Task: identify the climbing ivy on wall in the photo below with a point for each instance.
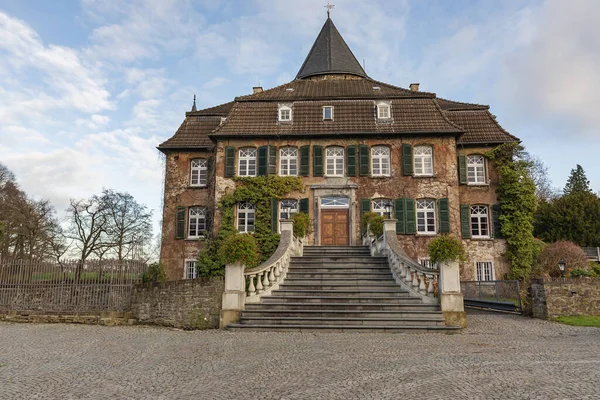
(516, 193)
(258, 191)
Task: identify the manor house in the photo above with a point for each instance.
(358, 144)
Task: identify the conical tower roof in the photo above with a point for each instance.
(330, 55)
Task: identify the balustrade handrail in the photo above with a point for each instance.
(392, 242)
(286, 239)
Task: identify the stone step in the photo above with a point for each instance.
(338, 260)
(323, 286)
(340, 268)
(343, 293)
(342, 313)
(345, 328)
(337, 281)
(292, 274)
(340, 306)
(341, 299)
(390, 321)
(308, 252)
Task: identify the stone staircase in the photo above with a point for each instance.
(341, 289)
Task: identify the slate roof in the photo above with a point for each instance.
(350, 117)
(330, 55)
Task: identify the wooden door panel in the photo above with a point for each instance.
(334, 228)
(341, 228)
(327, 228)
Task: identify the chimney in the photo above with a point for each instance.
(414, 87)
(257, 89)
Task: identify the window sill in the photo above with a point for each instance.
(197, 187)
(482, 238)
(378, 176)
(426, 233)
(424, 176)
(478, 184)
(193, 239)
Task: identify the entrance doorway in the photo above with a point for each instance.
(335, 220)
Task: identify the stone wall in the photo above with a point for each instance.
(552, 297)
(187, 304)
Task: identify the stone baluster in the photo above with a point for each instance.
(251, 288)
(266, 283)
(277, 270)
(415, 280)
(271, 275)
(422, 287)
(259, 286)
(429, 284)
(402, 271)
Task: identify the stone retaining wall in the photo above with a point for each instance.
(186, 304)
(552, 297)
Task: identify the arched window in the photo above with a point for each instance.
(199, 172)
(335, 161)
(245, 217)
(287, 208)
(197, 222)
(380, 160)
(476, 169)
(383, 207)
(423, 160)
(247, 162)
(288, 161)
(480, 222)
(426, 216)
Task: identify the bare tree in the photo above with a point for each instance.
(539, 174)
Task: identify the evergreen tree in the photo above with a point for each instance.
(577, 182)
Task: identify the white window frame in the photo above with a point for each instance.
(247, 161)
(384, 111)
(427, 215)
(481, 272)
(335, 160)
(480, 221)
(423, 160)
(284, 114)
(248, 210)
(199, 172)
(197, 221)
(476, 165)
(379, 207)
(380, 161)
(335, 202)
(288, 161)
(324, 116)
(188, 272)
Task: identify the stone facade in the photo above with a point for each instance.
(552, 297)
(187, 304)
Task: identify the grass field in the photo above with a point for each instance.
(579, 320)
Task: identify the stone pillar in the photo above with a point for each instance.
(451, 299)
(234, 297)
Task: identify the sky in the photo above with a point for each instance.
(89, 88)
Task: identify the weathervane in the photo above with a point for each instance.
(329, 7)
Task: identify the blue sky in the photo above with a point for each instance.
(89, 88)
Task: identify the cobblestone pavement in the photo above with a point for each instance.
(497, 357)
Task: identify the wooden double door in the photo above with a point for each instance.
(334, 228)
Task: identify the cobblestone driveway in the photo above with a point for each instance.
(497, 357)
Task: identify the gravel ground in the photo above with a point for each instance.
(497, 357)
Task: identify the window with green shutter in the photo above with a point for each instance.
(363, 155)
(272, 163)
(444, 215)
(410, 216)
(465, 221)
(303, 205)
(262, 160)
(180, 223)
(462, 169)
(407, 160)
(229, 162)
(496, 211)
(351, 160)
(304, 160)
(317, 160)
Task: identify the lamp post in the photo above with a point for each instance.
(388, 210)
(286, 211)
(562, 265)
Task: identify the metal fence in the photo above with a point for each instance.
(69, 286)
(494, 295)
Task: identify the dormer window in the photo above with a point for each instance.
(328, 113)
(285, 114)
(384, 111)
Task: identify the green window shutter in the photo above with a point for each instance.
(209, 169)
(465, 221)
(317, 160)
(262, 160)
(304, 160)
(351, 160)
(496, 227)
(365, 207)
(209, 220)
(410, 217)
(229, 162)
(399, 215)
(462, 169)
(274, 212)
(303, 205)
(444, 215)
(272, 170)
(363, 155)
(180, 223)
(407, 160)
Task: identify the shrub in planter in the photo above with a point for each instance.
(374, 221)
(547, 261)
(302, 226)
(155, 273)
(240, 248)
(446, 248)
